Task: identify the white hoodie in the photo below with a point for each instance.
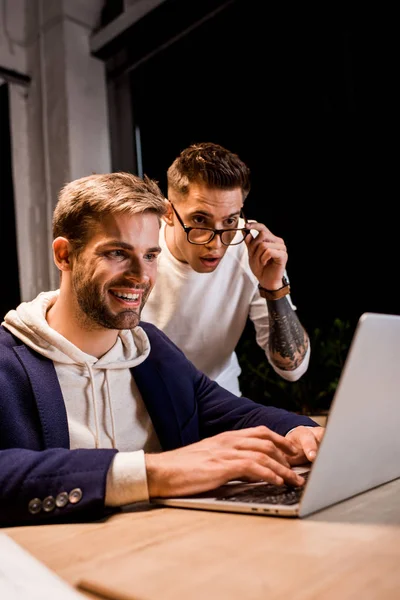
(104, 406)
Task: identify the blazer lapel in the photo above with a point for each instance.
(159, 404)
(49, 399)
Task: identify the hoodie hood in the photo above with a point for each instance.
(28, 323)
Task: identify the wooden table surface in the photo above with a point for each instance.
(351, 550)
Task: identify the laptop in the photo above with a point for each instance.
(360, 449)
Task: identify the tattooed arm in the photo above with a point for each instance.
(288, 341)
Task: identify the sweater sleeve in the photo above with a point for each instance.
(127, 479)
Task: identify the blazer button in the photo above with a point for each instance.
(35, 506)
(62, 499)
(48, 504)
(75, 495)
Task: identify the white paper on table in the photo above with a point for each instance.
(23, 576)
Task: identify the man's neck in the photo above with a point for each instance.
(62, 317)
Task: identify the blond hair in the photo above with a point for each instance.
(86, 201)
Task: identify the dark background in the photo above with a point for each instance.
(307, 98)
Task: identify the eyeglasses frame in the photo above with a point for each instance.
(219, 232)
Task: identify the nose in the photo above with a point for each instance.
(138, 271)
(215, 242)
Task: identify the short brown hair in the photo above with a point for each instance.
(86, 201)
(209, 164)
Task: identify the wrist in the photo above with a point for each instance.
(272, 286)
(275, 294)
(152, 475)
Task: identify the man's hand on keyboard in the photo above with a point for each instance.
(253, 454)
(306, 440)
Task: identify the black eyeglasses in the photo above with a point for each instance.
(204, 235)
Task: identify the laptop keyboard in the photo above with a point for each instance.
(269, 493)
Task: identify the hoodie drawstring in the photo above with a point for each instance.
(110, 410)
(96, 435)
(94, 405)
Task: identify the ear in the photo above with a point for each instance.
(169, 216)
(62, 253)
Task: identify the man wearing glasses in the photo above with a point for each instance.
(209, 281)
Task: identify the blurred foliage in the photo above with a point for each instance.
(313, 392)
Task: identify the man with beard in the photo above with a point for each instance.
(98, 411)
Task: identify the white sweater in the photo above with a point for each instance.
(205, 313)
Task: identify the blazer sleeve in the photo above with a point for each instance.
(215, 408)
(53, 485)
(219, 411)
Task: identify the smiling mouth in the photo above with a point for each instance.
(127, 297)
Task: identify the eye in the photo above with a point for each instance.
(199, 220)
(231, 222)
(117, 254)
(151, 256)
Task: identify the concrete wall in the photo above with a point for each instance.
(59, 124)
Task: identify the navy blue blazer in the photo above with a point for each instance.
(35, 460)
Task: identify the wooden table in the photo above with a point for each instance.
(351, 550)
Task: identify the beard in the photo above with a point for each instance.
(93, 303)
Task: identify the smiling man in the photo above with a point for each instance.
(217, 270)
(99, 409)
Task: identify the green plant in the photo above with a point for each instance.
(313, 392)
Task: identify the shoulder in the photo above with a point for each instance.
(16, 355)
(8, 342)
(165, 356)
(6, 338)
(158, 339)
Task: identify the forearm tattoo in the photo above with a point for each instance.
(288, 340)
